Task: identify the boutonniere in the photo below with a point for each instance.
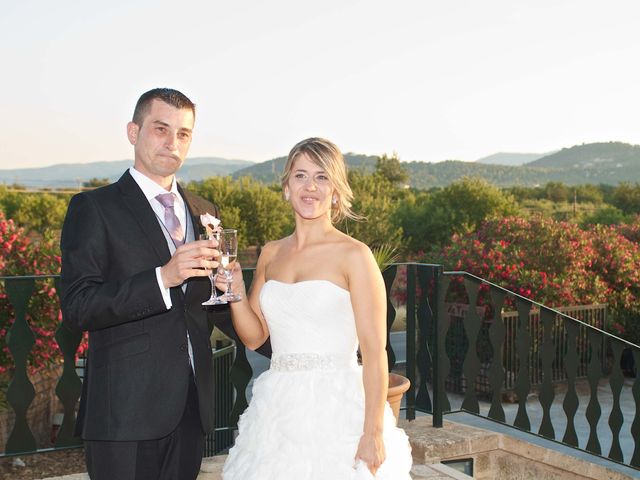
(210, 223)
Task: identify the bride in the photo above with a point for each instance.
(318, 293)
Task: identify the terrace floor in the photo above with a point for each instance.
(498, 453)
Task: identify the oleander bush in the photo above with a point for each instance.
(555, 263)
(20, 255)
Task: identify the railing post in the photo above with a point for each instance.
(438, 376)
(389, 275)
(20, 341)
(411, 341)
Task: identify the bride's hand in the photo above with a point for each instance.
(238, 281)
(371, 451)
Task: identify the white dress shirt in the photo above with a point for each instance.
(151, 190)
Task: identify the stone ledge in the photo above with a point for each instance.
(498, 456)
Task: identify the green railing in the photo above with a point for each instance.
(20, 393)
(579, 348)
(559, 348)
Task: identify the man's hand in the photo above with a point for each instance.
(192, 259)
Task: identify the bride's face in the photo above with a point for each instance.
(309, 188)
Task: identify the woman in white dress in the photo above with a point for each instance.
(318, 293)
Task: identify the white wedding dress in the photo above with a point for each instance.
(306, 416)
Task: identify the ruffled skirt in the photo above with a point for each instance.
(306, 425)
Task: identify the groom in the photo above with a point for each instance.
(134, 278)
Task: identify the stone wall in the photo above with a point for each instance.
(498, 456)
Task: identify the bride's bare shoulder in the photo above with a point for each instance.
(271, 249)
(354, 248)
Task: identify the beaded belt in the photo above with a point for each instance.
(291, 362)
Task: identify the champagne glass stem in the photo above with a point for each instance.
(212, 279)
(229, 292)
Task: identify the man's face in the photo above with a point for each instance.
(162, 141)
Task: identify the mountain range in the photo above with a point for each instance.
(503, 158)
(607, 163)
(73, 174)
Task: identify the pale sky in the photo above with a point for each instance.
(430, 80)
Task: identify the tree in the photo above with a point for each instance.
(258, 211)
(412, 215)
(589, 193)
(376, 199)
(41, 212)
(457, 209)
(521, 193)
(606, 215)
(391, 169)
(35, 212)
(557, 192)
(627, 197)
(96, 182)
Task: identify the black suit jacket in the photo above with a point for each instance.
(137, 374)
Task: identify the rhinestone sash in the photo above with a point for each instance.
(294, 362)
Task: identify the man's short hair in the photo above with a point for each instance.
(167, 95)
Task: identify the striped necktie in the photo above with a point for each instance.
(170, 219)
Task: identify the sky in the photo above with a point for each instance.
(428, 80)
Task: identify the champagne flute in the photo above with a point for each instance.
(228, 255)
(214, 299)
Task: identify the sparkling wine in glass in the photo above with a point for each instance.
(214, 299)
(228, 255)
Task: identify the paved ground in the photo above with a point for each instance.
(211, 470)
(559, 418)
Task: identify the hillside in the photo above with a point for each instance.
(513, 159)
(592, 156)
(270, 171)
(73, 174)
(608, 163)
(423, 175)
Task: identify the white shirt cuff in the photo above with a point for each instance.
(166, 294)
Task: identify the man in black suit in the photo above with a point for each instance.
(133, 276)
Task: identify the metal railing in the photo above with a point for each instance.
(20, 393)
(558, 342)
(457, 345)
(530, 350)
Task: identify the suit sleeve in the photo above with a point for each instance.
(91, 301)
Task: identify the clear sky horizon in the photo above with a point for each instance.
(429, 80)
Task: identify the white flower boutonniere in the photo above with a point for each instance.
(210, 223)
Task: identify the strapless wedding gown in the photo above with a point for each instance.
(306, 415)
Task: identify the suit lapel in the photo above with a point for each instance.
(194, 213)
(139, 207)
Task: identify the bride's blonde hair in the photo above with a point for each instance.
(328, 157)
